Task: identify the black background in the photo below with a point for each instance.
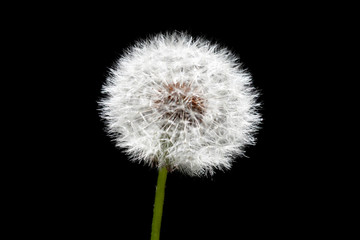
(80, 185)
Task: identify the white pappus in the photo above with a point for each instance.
(180, 102)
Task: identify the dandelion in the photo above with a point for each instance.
(180, 104)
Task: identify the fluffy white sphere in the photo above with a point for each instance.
(180, 102)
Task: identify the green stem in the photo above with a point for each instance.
(159, 202)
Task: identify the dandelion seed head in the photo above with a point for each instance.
(180, 102)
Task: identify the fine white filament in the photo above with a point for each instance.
(180, 102)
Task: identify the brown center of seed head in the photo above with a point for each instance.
(179, 102)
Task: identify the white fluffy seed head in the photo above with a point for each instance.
(180, 102)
